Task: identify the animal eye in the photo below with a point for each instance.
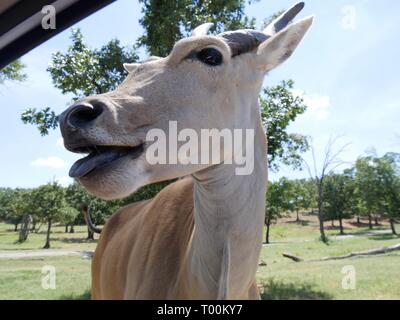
(210, 56)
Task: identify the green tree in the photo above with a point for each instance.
(23, 209)
(300, 198)
(388, 188)
(13, 72)
(165, 22)
(311, 194)
(76, 196)
(146, 192)
(82, 71)
(279, 107)
(49, 202)
(278, 202)
(318, 174)
(100, 210)
(67, 217)
(339, 197)
(367, 187)
(14, 205)
(44, 119)
(6, 195)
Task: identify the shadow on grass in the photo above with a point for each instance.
(380, 237)
(303, 223)
(85, 296)
(330, 227)
(63, 232)
(75, 240)
(310, 213)
(359, 225)
(381, 225)
(277, 290)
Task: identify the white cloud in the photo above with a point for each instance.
(317, 105)
(49, 162)
(60, 142)
(65, 181)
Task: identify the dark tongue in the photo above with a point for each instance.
(93, 161)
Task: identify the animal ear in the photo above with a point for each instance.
(130, 67)
(152, 58)
(202, 30)
(280, 46)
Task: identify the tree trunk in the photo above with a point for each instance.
(297, 215)
(320, 212)
(268, 223)
(376, 221)
(66, 228)
(15, 227)
(47, 244)
(333, 223)
(392, 226)
(341, 225)
(321, 222)
(90, 235)
(358, 220)
(370, 221)
(25, 227)
(321, 227)
(71, 229)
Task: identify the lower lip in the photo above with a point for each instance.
(88, 165)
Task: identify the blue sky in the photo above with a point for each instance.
(347, 70)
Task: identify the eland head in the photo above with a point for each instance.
(207, 81)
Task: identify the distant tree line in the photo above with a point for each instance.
(52, 204)
(370, 189)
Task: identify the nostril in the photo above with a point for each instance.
(82, 115)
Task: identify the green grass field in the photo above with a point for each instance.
(376, 277)
(22, 278)
(59, 239)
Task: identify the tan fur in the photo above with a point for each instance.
(159, 231)
(199, 238)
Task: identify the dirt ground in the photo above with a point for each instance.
(311, 219)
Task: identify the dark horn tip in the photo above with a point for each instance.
(292, 13)
(298, 7)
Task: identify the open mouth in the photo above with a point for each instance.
(100, 157)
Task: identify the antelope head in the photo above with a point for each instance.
(207, 81)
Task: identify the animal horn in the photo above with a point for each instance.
(202, 29)
(284, 19)
(242, 41)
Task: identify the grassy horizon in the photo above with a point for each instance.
(377, 277)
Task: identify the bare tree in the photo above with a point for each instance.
(317, 174)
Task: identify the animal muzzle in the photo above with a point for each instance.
(80, 116)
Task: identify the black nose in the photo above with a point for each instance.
(82, 115)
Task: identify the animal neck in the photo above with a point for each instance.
(229, 214)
